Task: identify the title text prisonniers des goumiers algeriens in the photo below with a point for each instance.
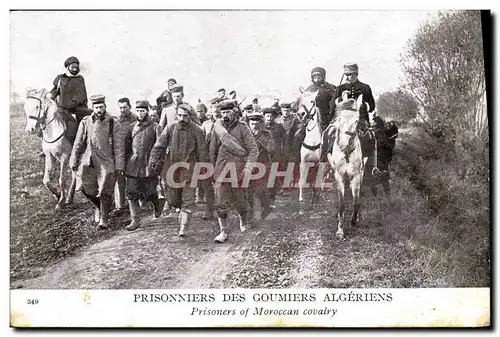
(264, 297)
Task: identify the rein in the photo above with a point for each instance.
(310, 113)
(40, 121)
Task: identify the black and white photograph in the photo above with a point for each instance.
(279, 152)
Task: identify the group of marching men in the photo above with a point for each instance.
(126, 157)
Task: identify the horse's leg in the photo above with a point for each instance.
(301, 180)
(63, 167)
(340, 215)
(356, 200)
(71, 192)
(49, 166)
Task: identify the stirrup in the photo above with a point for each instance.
(376, 171)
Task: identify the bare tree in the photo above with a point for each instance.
(444, 69)
(397, 105)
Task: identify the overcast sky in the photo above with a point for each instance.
(253, 52)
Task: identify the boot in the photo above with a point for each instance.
(97, 215)
(184, 218)
(244, 224)
(134, 215)
(224, 234)
(105, 207)
(158, 206)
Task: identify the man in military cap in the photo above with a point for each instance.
(231, 144)
(186, 143)
(165, 98)
(278, 135)
(247, 110)
(258, 189)
(201, 110)
(221, 94)
(169, 113)
(128, 119)
(98, 157)
(353, 87)
(140, 139)
(154, 113)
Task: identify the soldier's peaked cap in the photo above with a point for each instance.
(227, 105)
(256, 116)
(221, 89)
(286, 105)
(69, 60)
(176, 88)
(248, 107)
(350, 68)
(97, 99)
(272, 111)
(142, 105)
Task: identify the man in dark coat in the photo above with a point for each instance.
(291, 124)
(325, 97)
(140, 139)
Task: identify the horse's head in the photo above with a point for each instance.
(36, 106)
(346, 121)
(306, 105)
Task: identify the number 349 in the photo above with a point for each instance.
(32, 301)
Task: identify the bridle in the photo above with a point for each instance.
(310, 113)
(41, 118)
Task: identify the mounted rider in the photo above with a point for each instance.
(325, 97)
(69, 90)
(70, 94)
(353, 88)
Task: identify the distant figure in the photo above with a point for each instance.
(221, 93)
(169, 113)
(165, 99)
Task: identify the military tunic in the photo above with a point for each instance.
(98, 154)
(140, 140)
(178, 143)
(127, 121)
(355, 89)
(220, 155)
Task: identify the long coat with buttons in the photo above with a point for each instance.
(98, 154)
(140, 141)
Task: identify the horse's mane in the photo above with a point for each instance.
(42, 94)
(345, 109)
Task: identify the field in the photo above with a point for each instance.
(426, 235)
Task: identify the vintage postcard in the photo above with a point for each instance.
(250, 168)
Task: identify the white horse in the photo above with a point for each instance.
(346, 157)
(42, 115)
(310, 149)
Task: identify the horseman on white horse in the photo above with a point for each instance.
(353, 88)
